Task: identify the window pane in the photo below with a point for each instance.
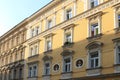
(92, 63)
(67, 65)
(118, 48)
(68, 14)
(94, 54)
(96, 62)
(48, 45)
(47, 68)
(49, 24)
(34, 71)
(68, 38)
(94, 29)
(94, 58)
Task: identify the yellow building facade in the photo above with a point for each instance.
(64, 40)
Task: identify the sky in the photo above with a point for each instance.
(13, 12)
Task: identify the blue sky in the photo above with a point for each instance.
(14, 11)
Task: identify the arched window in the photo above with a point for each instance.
(94, 58)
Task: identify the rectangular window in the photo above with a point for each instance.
(68, 37)
(67, 65)
(36, 49)
(68, 14)
(49, 45)
(49, 24)
(94, 29)
(47, 68)
(119, 20)
(32, 70)
(36, 30)
(31, 51)
(94, 59)
(93, 3)
(20, 73)
(32, 32)
(118, 55)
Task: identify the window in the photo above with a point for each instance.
(49, 45)
(36, 49)
(68, 14)
(118, 54)
(47, 68)
(68, 35)
(49, 24)
(94, 29)
(15, 74)
(67, 65)
(32, 32)
(22, 54)
(37, 30)
(32, 70)
(93, 3)
(94, 59)
(33, 48)
(20, 73)
(119, 20)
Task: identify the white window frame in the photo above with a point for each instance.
(37, 30)
(46, 44)
(91, 22)
(96, 3)
(70, 13)
(116, 13)
(49, 23)
(32, 70)
(68, 31)
(117, 53)
(99, 58)
(35, 49)
(64, 64)
(32, 32)
(91, 28)
(47, 68)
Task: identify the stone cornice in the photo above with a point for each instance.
(25, 21)
(85, 14)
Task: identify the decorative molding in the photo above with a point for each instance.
(78, 17)
(47, 58)
(67, 52)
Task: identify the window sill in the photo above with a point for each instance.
(94, 68)
(66, 75)
(69, 45)
(48, 51)
(94, 71)
(67, 72)
(117, 30)
(36, 55)
(33, 77)
(98, 36)
(46, 75)
(118, 64)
